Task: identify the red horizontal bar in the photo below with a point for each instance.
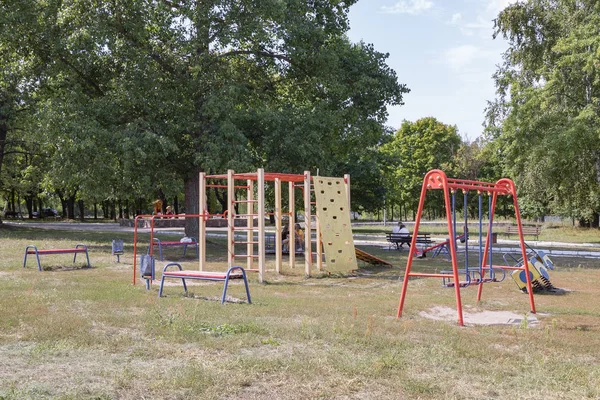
(431, 275)
(225, 186)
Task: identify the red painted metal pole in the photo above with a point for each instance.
(413, 245)
(511, 184)
(449, 212)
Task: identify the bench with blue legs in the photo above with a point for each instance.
(164, 243)
(232, 273)
(31, 249)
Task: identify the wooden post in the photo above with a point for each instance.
(292, 219)
(261, 224)
(318, 240)
(250, 211)
(230, 219)
(203, 211)
(278, 244)
(347, 184)
(308, 222)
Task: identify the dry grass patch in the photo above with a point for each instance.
(92, 334)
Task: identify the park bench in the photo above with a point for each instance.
(13, 214)
(232, 273)
(532, 230)
(164, 243)
(31, 249)
(400, 239)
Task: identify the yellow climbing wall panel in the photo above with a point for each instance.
(333, 215)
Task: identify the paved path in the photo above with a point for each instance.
(584, 250)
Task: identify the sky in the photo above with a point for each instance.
(442, 50)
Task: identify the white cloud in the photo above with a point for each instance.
(456, 18)
(495, 6)
(461, 56)
(483, 24)
(412, 7)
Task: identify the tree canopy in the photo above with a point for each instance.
(545, 120)
(133, 95)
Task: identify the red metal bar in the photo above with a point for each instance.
(225, 186)
(452, 247)
(413, 246)
(522, 241)
(268, 176)
(152, 217)
(437, 179)
(426, 275)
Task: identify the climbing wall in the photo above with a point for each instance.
(333, 216)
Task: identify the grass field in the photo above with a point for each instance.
(75, 333)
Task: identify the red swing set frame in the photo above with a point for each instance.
(437, 180)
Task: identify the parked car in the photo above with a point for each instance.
(49, 212)
(45, 212)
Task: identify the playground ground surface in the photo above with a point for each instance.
(71, 333)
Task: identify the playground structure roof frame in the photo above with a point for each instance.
(268, 176)
(502, 187)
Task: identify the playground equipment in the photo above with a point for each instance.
(539, 263)
(33, 250)
(370, 259)
(437, 180)
(118, 249)
(205, 276)
(329, 197)
(326, 214)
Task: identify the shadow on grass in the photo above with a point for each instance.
(63, 268)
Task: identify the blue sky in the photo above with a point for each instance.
(441, 49)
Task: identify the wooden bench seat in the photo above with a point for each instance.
(165, 243)
(531, 230)
(79, 248)
(235, 272)
(400, 239)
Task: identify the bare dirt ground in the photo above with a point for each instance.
(481, 317)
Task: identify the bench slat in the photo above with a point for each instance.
(201, 275)
(399, 239)
(32, 250)
(57, 251)
(527, 230)
(173, 243)
(232, 273)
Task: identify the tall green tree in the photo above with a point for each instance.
(546, 115)
(209, 85)
(417, 148)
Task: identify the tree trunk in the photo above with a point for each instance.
(221, 196)
(160, 195)
(191, 189)
(113, 210)
(70, 207)
(81, 210)
(29, 205)
(3, 134)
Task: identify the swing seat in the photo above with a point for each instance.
(449, 283)
(461, 284)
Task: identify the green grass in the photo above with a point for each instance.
(90, 334)
(549, 232)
